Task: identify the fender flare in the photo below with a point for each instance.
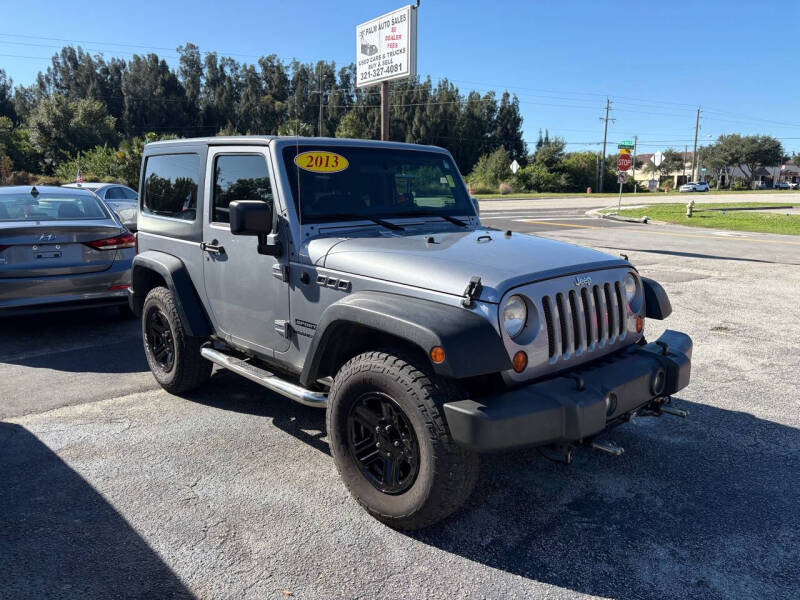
(656, 301)
(472, 346)
(173, 271)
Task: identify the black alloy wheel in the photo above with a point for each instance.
(383, 443)
(159, 339)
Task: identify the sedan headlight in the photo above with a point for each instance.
(514, 315)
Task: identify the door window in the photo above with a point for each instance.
(238, 177)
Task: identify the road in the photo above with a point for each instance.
(111, 487)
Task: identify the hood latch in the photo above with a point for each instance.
(473, 290)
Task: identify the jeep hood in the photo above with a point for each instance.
(447, 264)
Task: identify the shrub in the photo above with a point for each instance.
(491, 169)
(46, 180)
(537, 178)
(476, 187)
(20, 178)
(99, 163)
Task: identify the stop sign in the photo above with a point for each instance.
(624, 162)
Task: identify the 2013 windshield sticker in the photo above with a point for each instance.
(320, 161)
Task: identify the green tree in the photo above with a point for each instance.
(352, 126)
(750, 152)
(190, 75)
(6, 97)
(296, 127)
(60, 128)
(154, 99)
(508, 127)
(550, 153)
(580, 169)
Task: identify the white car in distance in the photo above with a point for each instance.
(695, 186)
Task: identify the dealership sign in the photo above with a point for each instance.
(386, 47)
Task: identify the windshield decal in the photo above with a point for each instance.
(320, 161)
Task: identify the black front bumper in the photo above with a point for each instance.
(575, 405)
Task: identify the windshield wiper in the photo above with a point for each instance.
(423, 213)
(356, 216)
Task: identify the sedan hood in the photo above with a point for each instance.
(449, 262)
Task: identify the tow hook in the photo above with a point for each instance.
(608, 447)
(677, 412)
(663, 406)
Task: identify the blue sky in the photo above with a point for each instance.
(656, 61)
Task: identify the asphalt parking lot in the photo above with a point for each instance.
(110, 487)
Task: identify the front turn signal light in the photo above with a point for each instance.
(639, 324)
(437, 355)
(520, 361)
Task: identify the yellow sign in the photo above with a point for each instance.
(320, 161)
(624, 150)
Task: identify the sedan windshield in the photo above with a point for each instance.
(50, 207)
(330, 183)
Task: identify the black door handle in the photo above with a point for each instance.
(212, 247)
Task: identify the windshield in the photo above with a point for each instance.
(332, 183)
(50, 207)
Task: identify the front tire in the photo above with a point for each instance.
(391, 443)
(173, 355)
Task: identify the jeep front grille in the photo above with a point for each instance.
(583, 320)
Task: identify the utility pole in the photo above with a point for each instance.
(633, 175)
(694, 153)
(320, 99)
(605, 137)
(385, 111)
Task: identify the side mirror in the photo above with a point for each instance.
(250, 217)
(477, 205)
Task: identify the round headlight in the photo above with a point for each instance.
(630, 287)
(515, 313)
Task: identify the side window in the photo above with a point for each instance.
(238, 177)
(114, 193)
(170, 185)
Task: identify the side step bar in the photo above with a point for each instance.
(269, 380)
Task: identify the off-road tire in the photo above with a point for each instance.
(447, 472)
(189, 369)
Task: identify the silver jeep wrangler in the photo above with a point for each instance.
(356, 276)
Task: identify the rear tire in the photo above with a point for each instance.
(173, 355)
(377, 390)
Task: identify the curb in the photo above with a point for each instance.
(596, 214)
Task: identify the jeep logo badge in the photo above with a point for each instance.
(584, 281)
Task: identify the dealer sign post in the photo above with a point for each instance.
(386, 50)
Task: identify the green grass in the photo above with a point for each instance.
(718, 216)
(615, 194)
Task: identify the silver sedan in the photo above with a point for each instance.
(61, 248)
(123, 200)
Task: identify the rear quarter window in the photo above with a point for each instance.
(170, 185)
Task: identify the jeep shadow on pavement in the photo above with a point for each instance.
(356, 276)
